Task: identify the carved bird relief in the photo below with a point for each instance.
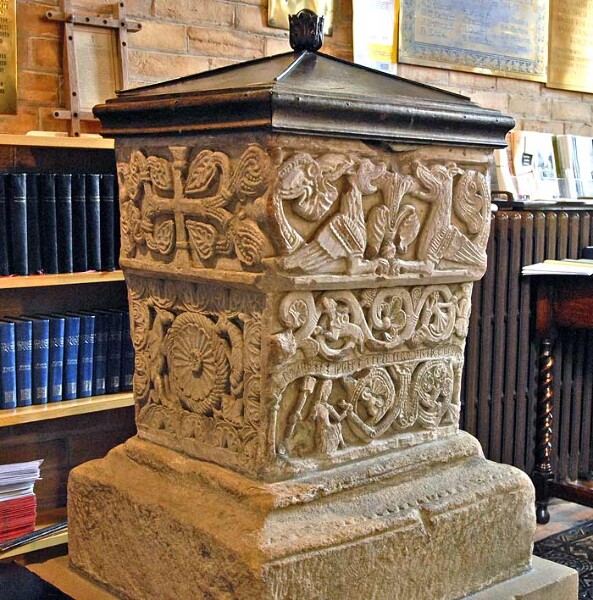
(342, 239)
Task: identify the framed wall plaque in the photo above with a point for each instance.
(8, 57)
(496, 37)
(571, 46)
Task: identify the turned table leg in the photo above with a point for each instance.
(542, 472)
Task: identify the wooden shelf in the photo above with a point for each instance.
(51, 141)
(44, 519)
(66, 408)
(30, 281)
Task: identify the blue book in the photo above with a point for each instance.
(57, 325)
(102, 319)
(114, 339)
(4, 259)
(93, 220)
(48, 224)
(7, 366)
(23, 337)
(71, 344)
(64, 222)
(33, 233)
(40, 358)
(85, 355)
(79, 224)
(108, 222)
(17, 219)
(127, 356)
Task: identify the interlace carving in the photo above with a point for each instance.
(208, 207)
(350, 367)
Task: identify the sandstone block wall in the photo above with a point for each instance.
(186, 36)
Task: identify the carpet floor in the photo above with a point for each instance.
(573, 548)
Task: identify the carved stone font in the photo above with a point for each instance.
(299, 308)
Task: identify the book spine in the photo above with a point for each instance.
(127, 355)
(93, 221)
(23, 334)
(49, 227)
(56, 358)
(64, 222)
(100, 353)
(4, 258)
(7, 366)
(17, 213)
(107, 206)
(33, 237)
(79, 224)
(71, 343)
(85, 356)
(112, 384)
(40, 360)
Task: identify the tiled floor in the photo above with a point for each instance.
(563, 515)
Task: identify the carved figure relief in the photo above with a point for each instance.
(374, 218)
(198, 368)
(333, 414)
(206, 206)
(331, 213)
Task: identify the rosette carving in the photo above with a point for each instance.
(198, 365)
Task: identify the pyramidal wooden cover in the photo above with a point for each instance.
(309, 93)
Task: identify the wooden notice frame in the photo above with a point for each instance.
(95, 58)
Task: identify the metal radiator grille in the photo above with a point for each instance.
(499, 388)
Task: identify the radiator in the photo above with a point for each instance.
(499, 388)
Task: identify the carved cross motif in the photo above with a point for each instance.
(196, 210)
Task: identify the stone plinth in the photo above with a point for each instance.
(299, 308)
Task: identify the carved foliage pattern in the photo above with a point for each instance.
(337, 325)
(208, 206)
(371, 216)
(197, 364)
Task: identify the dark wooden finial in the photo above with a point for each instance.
(306, 31)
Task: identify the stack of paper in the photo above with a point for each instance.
(560, 267)
(534, 165)
(18, 504)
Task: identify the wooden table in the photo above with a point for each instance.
(562, 301)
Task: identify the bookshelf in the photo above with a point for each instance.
(64, 433)
(31, 281)
(65, 408)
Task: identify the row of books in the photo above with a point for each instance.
(57, 223)
(18, 503)
(544, 166)
(49, 358)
